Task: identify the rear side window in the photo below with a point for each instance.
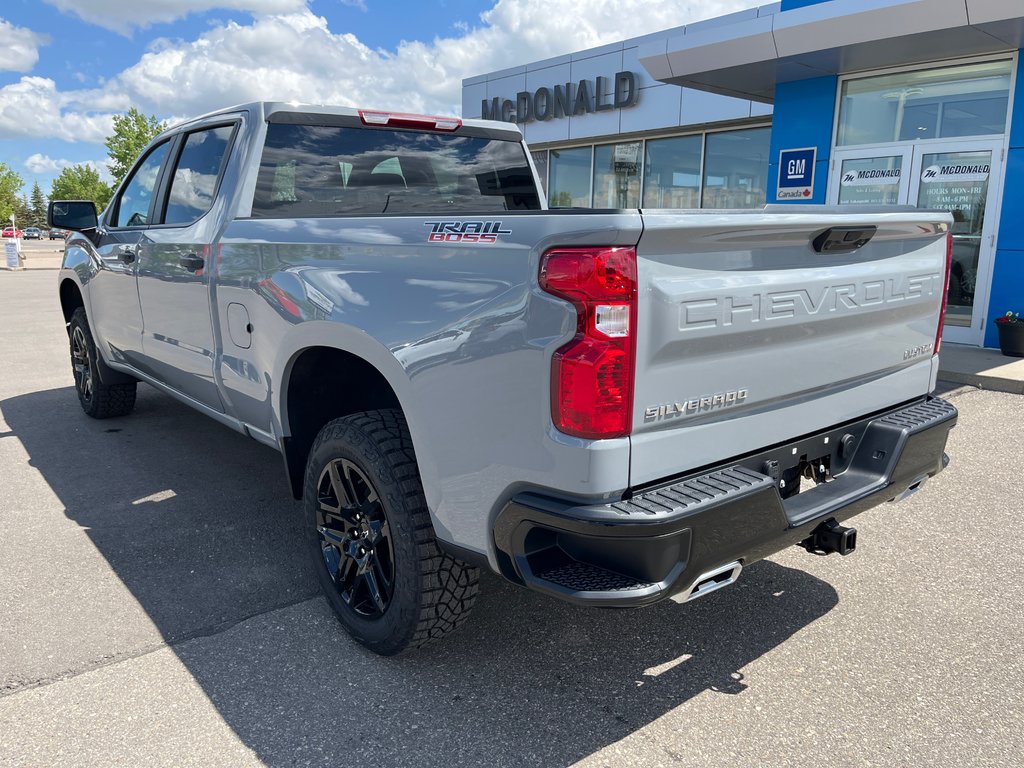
(312, 171)
(196, 174)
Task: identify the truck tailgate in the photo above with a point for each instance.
(749, 337)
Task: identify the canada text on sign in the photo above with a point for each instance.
(562, 101)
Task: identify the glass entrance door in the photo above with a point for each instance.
(961, 178)
(956, 176)
(881, 177)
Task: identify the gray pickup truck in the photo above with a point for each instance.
(608, 407)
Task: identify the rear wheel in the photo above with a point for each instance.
(372, 541)
(99, 400)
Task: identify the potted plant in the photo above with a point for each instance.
(1011, 334)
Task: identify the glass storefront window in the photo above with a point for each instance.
(540, 160)
(965, 100)
(736, 168)
(728, 169)
(672, 172)
(569, 177)
(617, 175)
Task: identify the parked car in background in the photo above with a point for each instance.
(11, 232)
(33, 233)
(58, 234)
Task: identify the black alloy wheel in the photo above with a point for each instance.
(80, 364)
(371, 537)
(355, 539)
(99, 397)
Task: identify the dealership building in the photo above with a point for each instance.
(891, 102)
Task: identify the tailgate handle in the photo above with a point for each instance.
(842, 239)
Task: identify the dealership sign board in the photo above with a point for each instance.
(872, 177)
(796, 174)
(566, 100)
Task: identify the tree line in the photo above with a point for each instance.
(132, 131)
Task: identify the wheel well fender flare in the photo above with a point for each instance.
(348, 340)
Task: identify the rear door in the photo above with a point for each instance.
(749, 337)
(179, 344)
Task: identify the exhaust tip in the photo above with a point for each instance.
(709, 582)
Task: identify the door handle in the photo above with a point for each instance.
(191, 262)
(126, 254)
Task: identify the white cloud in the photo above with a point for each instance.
(19, 47)
(358, 4)
(123, 17)
(296, 57)
(33, 107)
(44, 165)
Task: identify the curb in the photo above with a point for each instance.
(990, 383)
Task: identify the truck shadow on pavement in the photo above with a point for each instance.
(198, 524)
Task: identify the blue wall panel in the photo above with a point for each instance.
(1007, 290)
(803, 117)
(1008, 270)
(1011, 226)
(788, 5)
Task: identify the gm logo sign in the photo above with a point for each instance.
(796, 174)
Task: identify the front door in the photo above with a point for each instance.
(961, 177)
(115, 312)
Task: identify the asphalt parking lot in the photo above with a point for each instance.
(156, 608)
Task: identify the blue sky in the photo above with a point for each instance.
(68, 66)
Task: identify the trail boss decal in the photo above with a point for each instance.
(465, 231)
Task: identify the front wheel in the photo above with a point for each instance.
(372, 541)
(99, 400)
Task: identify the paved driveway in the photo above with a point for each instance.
(156, 608)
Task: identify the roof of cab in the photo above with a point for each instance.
(264, 109)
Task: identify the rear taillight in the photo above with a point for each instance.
(945, 292)
(592, 375)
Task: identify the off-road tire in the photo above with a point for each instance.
(99, 400)
(432, 592)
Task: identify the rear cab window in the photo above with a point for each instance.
(326, 170)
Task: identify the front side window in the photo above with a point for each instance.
(134, 202)
(317, 170)
(195, 176)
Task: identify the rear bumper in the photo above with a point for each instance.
(661, 541)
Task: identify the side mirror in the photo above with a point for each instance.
(77, 215)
